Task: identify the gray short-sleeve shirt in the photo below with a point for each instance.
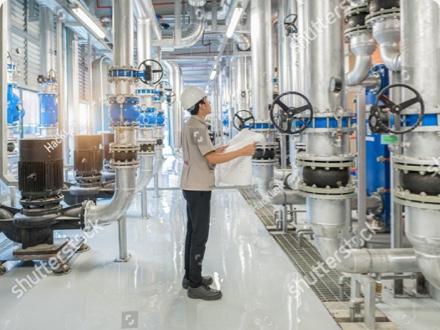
(197, 173)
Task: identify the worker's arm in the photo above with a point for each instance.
(215, 158)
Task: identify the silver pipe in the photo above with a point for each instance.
(145, 9)
(125, 189)
(47, 22)
(176, 112)
(242, 40)
(193, 35)
(362, 46)
(261, 49)
(178, 21)
(144, 39)
(145, 172)
(123, 43)
(4, 48)
(386, 31)
(122, 237)
(327, 218)
(361, 165)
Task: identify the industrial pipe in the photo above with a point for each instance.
(125, 189)
(386, 31)
(328, 220)
(362, 46)
(145, 9)
(145, 172)
(242, 40)
(176, 112)
(193, 35)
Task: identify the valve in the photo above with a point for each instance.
(241, 119)
(148, 69)
(285, 117)
(380, 117)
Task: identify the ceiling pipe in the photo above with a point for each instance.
(145, 9)
(190, 38)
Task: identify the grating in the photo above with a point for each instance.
(304, 257)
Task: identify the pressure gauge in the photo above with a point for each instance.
(120, 99)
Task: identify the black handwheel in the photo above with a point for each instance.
(385, 107)
(284, 117)
(290, 23)
(243, 119)
(148, 69)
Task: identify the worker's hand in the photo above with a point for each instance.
(221, 149)
(249, 150)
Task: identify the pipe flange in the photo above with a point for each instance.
(342, 161)
(406, 198)
(264, 162)
(433, 168)
(349, 33)
(328, 193)
(410, 161)
(371, 19)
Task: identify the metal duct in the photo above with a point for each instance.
(362, 45)
(328, 220)
(261, 36)
(242, 40)
(176, 113)
(193, 35)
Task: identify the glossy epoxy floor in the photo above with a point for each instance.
(257, 279)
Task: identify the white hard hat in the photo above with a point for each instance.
(191, 96)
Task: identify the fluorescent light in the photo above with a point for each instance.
(87, 19)
(234, 21)
(213, 74)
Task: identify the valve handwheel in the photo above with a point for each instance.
(243, 119)
(149, 69)
(285, 118)
(386, 107)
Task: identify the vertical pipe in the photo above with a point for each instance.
(361, 159)
(143, 39)
(122, 237)
(61, 77)
(4, 48)
(178, 17)
(261, 65)
(47, 40)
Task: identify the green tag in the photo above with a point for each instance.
(389, 139)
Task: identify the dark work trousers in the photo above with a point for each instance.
(197, 231)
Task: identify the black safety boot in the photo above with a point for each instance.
(204, 292)
(206, 280)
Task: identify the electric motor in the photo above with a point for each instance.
(88, 155)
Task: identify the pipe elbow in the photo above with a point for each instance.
(391, 56)
(243, 41)
(360, 71)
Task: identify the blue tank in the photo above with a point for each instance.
(15, 110)
(378, 154)
(48, 109)
(126, 113)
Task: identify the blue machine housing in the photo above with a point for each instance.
(126, 113)
(15, 111)
(378, 154)
(48, 109)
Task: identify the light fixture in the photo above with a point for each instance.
(213, 74)
(89, 21)
(236, 15)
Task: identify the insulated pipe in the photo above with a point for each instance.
(261, 30)
(386, 31)
(125, 183)
(144, 39)
(123, 40)
(176, 112)
(327, 218)
(194, 34)
(145, 9)
(145, 172)
(362, 46)
(242, 40)
(47, 21)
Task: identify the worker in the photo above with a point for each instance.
(197, 182)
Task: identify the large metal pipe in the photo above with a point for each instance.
(145, 9)
(125, 183)
(362, 45)
(176, 112)
(327, 218)
(48, 47)
(262, 71)
(144, 39)
(123, 40)
(188, 39)
(145, 172)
